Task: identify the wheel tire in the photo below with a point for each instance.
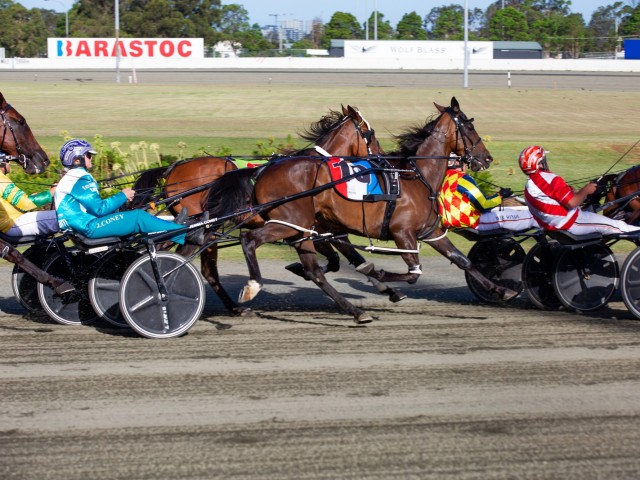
(140, 301)
(104, 286)
(24, 286)
(630, 282)
(586, 278)
(70, 308)
(499, 260)
(536, 276)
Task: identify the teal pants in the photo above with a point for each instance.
(122, 224)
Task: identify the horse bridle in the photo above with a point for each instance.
(21, 158)
(366, 136)
(460, 124)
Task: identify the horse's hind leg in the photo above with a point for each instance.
(12, 255)
(446, 248)
(309, 260)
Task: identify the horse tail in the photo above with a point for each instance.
(232, 192)
(146, 185)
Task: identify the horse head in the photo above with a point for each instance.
(462, 138)
(344, 133)
(17, 140)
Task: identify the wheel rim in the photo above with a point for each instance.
(140, 301)
(536, 277)
(586, 278)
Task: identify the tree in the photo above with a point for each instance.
(447, 22)
(603, 26)
(410, 27)
(508, 24)
(341, 26)
(631, 24)
(385, 30)
(23, 32)
(155, 18)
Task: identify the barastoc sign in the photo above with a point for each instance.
(147, 48)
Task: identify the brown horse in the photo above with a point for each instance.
(621, 192)
(296, 198)
(344, 133)
(18, 144)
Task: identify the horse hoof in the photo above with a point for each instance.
(508, 294)
(363, 318)
(397, 296)
(64, 287)
(242, 311)
(296, 268)
(249, 291)
(366, 268)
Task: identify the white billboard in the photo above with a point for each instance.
(129, 48)
(416, 49)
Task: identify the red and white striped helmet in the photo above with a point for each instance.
(533, 159)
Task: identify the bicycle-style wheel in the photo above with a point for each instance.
(24, 286)
(72, 308)
(104, 286)
(499, 260)
(141, 303)
(536, 276)
(630, 282)
(586, 278)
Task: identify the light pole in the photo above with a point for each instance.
(466, 42)
(66, 16)
(279, 28)
(117, 15)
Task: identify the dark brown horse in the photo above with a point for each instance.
(344, 133)
(622, 195)
(296, 196)
(18, 144)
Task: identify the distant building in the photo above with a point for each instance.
(517, 50)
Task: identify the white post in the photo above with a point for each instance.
(466, 42)
(117, 15)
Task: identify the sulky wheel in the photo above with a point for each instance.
(536, 276)
(585, 278)
(104, 286)
(630, 282)
(141, 303)
(25, 287)
(499, 260)
(70, 308)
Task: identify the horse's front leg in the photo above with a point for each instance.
(314, 272)
(446, 248)
(209, 270)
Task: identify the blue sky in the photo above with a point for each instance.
(393, 10)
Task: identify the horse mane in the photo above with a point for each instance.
(146, 185)
(410, 140)
(323, 127)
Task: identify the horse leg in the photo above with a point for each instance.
(12, 255)
(209, 269)
(309, 260)
(446, 248)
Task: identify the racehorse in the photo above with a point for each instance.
(344, 133)
(18, 144)
(296, 198)
(621, 192)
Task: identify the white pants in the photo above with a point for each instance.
(34, 223)
(510, 218)
(589, 222)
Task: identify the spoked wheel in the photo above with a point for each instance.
(104, 286)
(141, 303)
(499, 260)
(70, 308)
(630, 282)
(536, 276)
(586, 278)
(24, 286)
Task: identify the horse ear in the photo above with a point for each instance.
(353, 113)
(454, 104)
(2, 100)
(440, 108)
(344, 111)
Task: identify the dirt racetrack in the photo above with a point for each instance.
(439, 386)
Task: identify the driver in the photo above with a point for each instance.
(81, 209)
(462, 204)
(18, 217)
(554, 204)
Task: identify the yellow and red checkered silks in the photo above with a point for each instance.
(456, 209)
